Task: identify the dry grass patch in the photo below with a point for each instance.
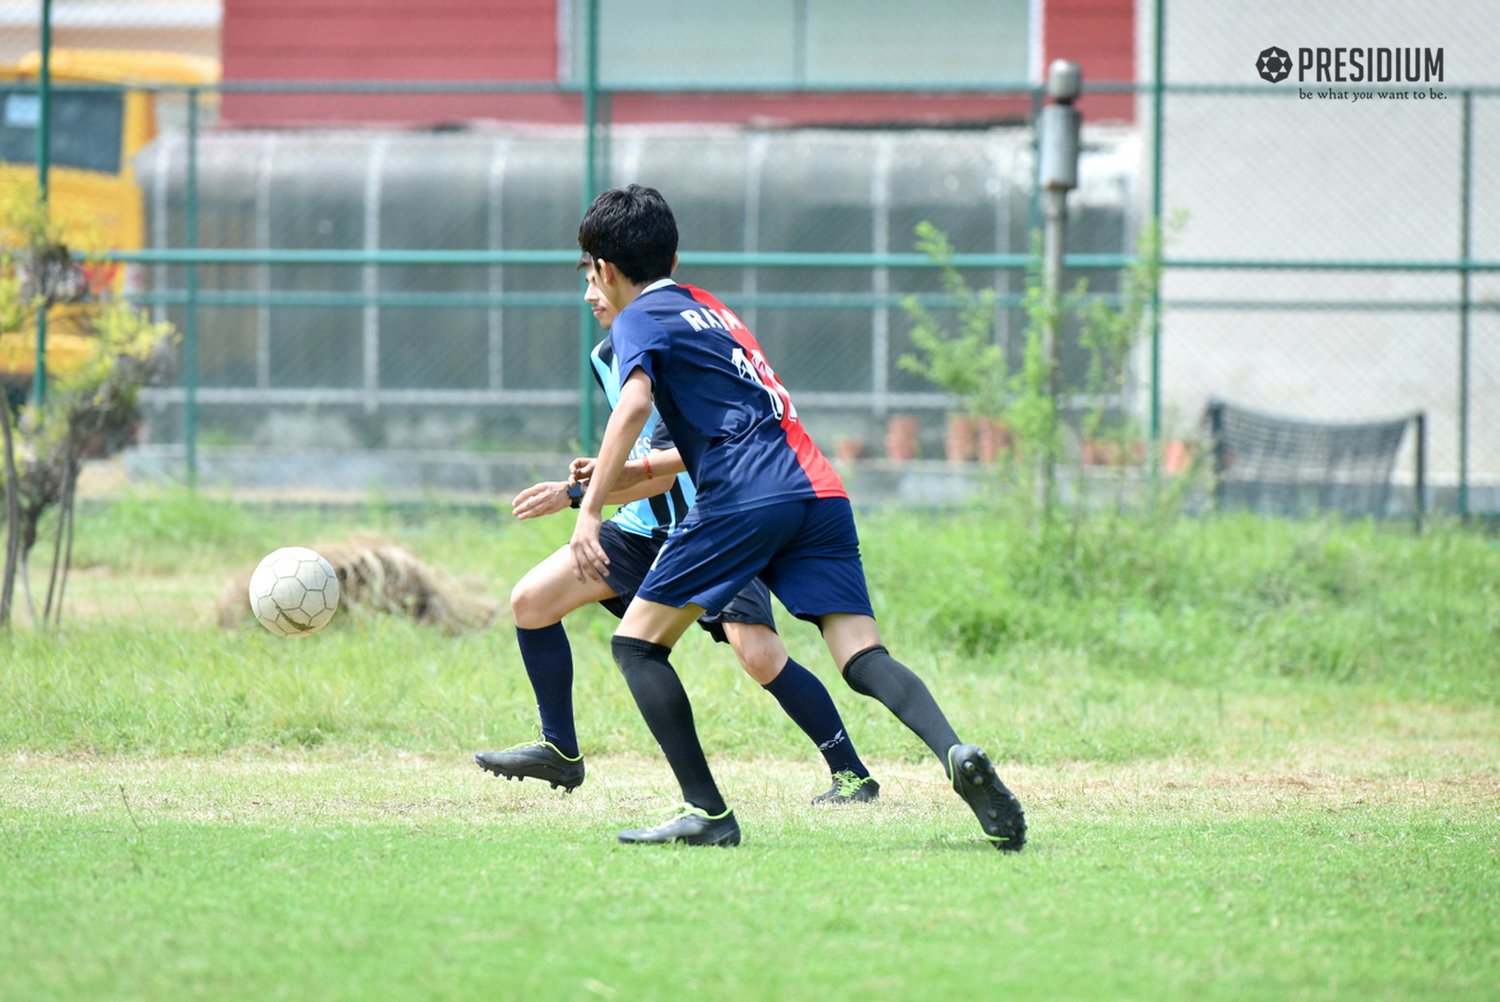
(381, 575)
(280, 789)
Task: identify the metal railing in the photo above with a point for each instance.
(1157, 94)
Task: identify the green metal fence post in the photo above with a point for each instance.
(43, 167)
(1465, 248)
(1159, 62)
(190, 320)
(590, 189)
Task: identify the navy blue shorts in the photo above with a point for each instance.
(631, 557)
(806, 551)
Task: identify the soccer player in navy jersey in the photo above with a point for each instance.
(654, 493)
(768, 505)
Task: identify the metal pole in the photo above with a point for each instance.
(43, 168)
(586, 326)
(1054, 236)
(190, 320)
(1419, 470)
(1057, 171)
(1220, 450)
(1465, 248)
(1034, 203)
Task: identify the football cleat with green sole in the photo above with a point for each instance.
(998, 810)
(538, 759)
(690, 826)
(849, 788)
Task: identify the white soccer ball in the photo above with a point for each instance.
(294, 591)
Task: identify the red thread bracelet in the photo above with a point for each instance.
(646, 462)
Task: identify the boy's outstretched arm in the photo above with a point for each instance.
(642, 477)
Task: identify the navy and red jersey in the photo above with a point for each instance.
(731, 418)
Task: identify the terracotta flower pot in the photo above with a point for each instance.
(1178, 457)
(847, 448)
(1108, 452)
(994, 438)
(901, 437)
(959, 442)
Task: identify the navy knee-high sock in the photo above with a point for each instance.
(549, 664)
(873, 672)
(664, 704)
(806, 701)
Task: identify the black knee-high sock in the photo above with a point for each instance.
(873, 672)
(548, 659)
(806, 701)
(664, 704)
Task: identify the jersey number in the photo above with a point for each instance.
(756, 369)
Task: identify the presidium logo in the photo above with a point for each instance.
(1273, 65)
(1375, 69)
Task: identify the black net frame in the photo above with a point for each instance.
(1275, 465)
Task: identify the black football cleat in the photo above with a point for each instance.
(850, 789)
(538, 759)
(690, 826)
(998, 810)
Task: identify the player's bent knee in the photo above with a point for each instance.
(848, 636)
(856, 669)
(529, 607)
(759, 649)
(763, 664)
(631, 653)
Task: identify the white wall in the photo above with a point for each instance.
(187, 26)
(1273, 175)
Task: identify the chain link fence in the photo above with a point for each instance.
(397, 308)
(1342, 231)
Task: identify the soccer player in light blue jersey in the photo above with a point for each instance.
(654, 495)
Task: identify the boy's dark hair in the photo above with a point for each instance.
(633, 229)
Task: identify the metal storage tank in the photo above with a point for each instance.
(487, 357)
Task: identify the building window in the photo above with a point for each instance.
(789, 43)
(86, 128)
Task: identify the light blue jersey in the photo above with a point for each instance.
(657, 516)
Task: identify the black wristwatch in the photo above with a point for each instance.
(575, 495)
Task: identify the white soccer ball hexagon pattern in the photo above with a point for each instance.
(294, 591)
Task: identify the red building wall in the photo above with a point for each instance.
(517, 41)
(340, 40)
(1098, 35)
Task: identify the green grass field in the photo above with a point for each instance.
(1260, 760)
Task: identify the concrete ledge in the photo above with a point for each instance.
(494, 478)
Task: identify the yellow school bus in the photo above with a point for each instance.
(92, 190)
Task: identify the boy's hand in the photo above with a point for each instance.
(545, 498)
(581, 470)
(590, 562)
